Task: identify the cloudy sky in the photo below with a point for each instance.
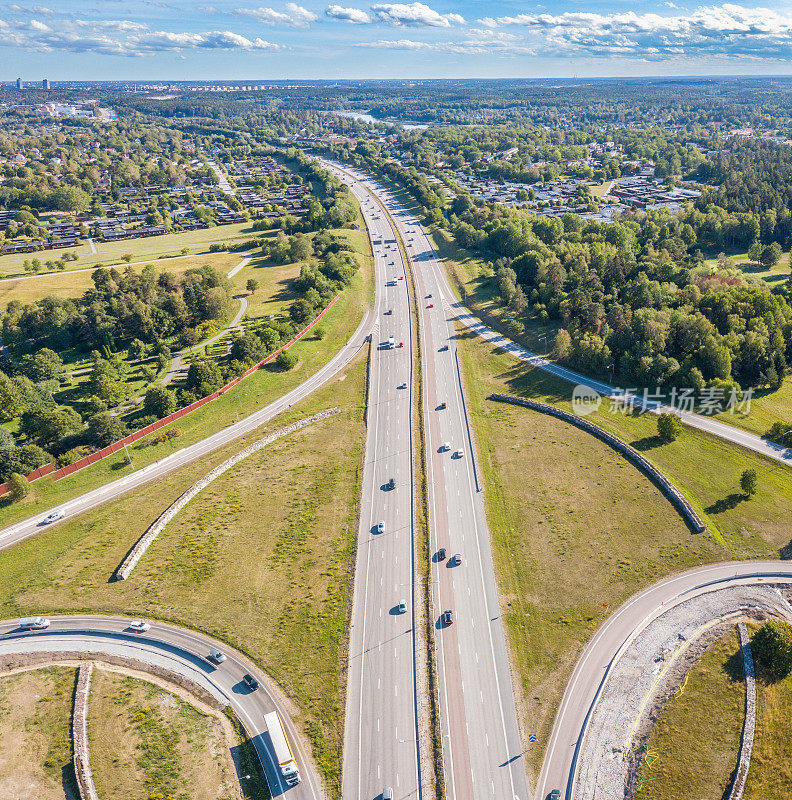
(244, 39)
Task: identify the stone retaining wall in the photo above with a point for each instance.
(650, 470)
(82, 764)
(749, 726)
(137, 552)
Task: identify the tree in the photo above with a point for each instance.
(18, 486)
(44, 365)
(159, 401)
(772, 649)
(104, 429)
(669, 426)
(251, 285)
(21, 459)
(749, 482)
(285, 360)
(204, 377)
(771, 255)
(127, 257)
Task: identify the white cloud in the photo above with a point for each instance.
(118, 37)
(413, 14)
(294, 16)
(726, 30)
(354, 15)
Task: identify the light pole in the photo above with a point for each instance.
(610, 373)
(545, 341)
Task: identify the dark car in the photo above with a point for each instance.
(447, 617)
(392, 483)
(250, 682)
(442, 406)
(444, 348)
(441, 554)
(554, 795)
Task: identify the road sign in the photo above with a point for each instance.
(532, 738)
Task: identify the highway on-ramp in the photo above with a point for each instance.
(482, 753)
(185, 653)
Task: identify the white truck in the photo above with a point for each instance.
(391, 343)
(283, 754)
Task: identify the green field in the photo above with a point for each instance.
(586, 530)
(171, 244)
(147, 742)
(693, 748)
(265, 553)
(35, 735)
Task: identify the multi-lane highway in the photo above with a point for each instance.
(482, 753)
(381, 742)
(185, 653)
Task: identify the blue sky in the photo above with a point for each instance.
(259, 39)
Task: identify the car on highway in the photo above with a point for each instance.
(554, 795)
(389, 312)
(459, 453)
(445, 447)
(392, 483)
(444, 348)
(429, 296)
(447, 617)
(53, 517)
(441, 407)
(380, 526)
(401, 344)
(431, 305)
(403, 385)
(217, 656)
(387, 793)
(441, 554)
(34, 623)
(455, 560)
(250, 682)
(139, 626)
(402, 606)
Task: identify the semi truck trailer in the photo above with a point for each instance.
(283, 754)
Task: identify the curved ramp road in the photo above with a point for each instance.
(184, 652)
(381, 734)
(481, 743)
(109, 491)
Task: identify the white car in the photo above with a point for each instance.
(34, 623)
(139, 626)
(53, 517)
(445, 447)
(217, 656)
(380, 526)
(459, 453)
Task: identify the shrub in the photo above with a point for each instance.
(772, 649)
(18, 486)
(669, 426)
(285, 360)
(75, 454)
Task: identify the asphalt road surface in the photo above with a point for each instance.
(110, 491)
(481, 741)
(184, 652)
(381, 740)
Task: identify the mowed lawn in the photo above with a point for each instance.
(260, 560)
(141, 249)
(35, 735)
(73, 284)
(577, 529)
(146, 742)
(692, 751)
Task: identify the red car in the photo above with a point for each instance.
(401, 344)
(431, 305)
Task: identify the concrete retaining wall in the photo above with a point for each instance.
(749, 726)
(137, 552)
(82, 764)
(650, 470)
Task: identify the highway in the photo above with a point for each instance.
(381, 741)
(110, 491)
(183, 652)
(481, 743)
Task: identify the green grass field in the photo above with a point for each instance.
(693, 748)
(586, 530)
(264, 554)
(170, 244)
(35, 735)
(147, 742)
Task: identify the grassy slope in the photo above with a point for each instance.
(258, 390)
(264, 554)
(145, 741)
(587, 530)
(35, 735)
(693, 747)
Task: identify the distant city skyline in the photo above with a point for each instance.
(239, 40)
